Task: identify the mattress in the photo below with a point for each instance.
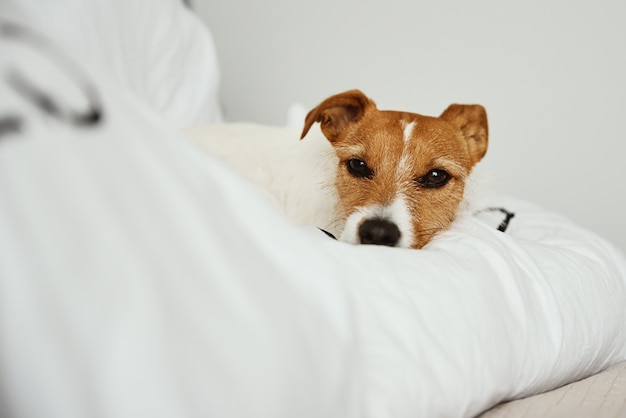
(601, 395)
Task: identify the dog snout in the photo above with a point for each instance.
(379, 232)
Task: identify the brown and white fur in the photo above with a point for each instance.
(400, 176)
(375, 176)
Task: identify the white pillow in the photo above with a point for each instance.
(157, 49)
(140, 277)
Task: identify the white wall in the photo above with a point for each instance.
(552, 75)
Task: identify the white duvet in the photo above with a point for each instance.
(139, 277)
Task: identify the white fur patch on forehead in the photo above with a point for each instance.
(408, 129)
(403, 165)
(397, 212)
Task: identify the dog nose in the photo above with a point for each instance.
(379, 232)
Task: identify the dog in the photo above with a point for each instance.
(400, 177)
(369, 176)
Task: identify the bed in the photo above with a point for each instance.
(601, 395)
(142, 276)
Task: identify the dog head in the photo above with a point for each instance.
(401, 176)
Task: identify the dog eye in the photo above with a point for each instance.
(358, 168)
(434, 178)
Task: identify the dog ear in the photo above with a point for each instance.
(337, 112)
(472, 121)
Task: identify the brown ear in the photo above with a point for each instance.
(472, 121)
(336, 112)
